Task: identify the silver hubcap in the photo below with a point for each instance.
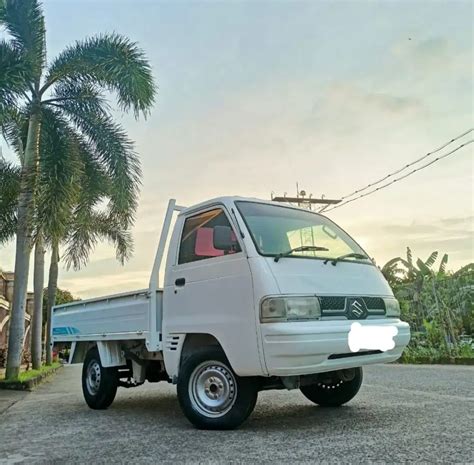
(93, 377)
(212, 389)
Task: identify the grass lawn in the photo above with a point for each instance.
(29, 374)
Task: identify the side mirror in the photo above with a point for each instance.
(222, 238)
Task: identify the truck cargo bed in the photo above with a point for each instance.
(119, 316)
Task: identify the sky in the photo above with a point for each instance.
(256, 96)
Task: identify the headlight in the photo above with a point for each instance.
(289, 309)
(392, 307)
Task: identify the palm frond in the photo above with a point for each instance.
(9, 191)
(24, 21)
(59, 175)
(90, 225)
(85, 234)
(112, 62)
(94, 184)
(14, 76)
(115, 151)
(13, 127)
(83, 97)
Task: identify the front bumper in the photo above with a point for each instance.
(300, 348)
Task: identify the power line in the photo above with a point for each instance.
(402, 177)
(406, 166)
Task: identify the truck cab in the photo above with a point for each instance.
(256, 295)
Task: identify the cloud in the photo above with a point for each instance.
(104, 284)
(432, 54)
(348, 108)
(332, 123)
(453, 236)
(467, 221)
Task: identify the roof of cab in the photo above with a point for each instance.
(226, 200)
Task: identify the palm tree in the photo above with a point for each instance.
(79, 225)
(82, 224)
(74, 84)
(72, 183)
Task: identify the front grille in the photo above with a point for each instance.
(333, 303)
(374, 303)
(336, 305)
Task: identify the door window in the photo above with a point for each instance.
(197, 239)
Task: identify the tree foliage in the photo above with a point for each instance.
(400, 270)
(438, 305)
(56, 115)
(63, 296)
(9, 190)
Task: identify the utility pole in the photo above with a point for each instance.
(305, 201)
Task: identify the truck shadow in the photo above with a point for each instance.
(297, 417)
(267, 416)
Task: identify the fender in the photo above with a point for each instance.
(110, 353)
(172, 348)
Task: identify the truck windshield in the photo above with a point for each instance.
(276, 229)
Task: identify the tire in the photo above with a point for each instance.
(333, 393)
(211, 395)
(99, 384)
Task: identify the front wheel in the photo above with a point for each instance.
(333, 390)
(211, 395)
(99, 384)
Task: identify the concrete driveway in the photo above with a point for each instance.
(402, 414)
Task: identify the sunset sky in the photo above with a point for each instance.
(256, 96)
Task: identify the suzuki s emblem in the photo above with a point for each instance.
(356, 309)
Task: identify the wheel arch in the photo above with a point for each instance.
(178, 347)
(79, 350)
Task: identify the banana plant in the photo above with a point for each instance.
(399, 270)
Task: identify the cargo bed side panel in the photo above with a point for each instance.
(124, 316)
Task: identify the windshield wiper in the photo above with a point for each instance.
(348, 255)
(303, 248)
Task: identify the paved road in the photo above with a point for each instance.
(402, 414)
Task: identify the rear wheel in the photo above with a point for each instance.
(99, 384)
(334, 390)
(211, 395)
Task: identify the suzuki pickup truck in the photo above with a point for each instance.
(256, 295)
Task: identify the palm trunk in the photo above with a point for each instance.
(37, 321)
(23, 247)
(52, 287)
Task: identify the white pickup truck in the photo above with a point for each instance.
(256, 296)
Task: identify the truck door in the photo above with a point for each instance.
(210, 291)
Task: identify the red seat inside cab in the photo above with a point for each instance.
(205, 243)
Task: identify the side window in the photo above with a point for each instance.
(197, 240)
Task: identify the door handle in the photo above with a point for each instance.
(180, 282)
